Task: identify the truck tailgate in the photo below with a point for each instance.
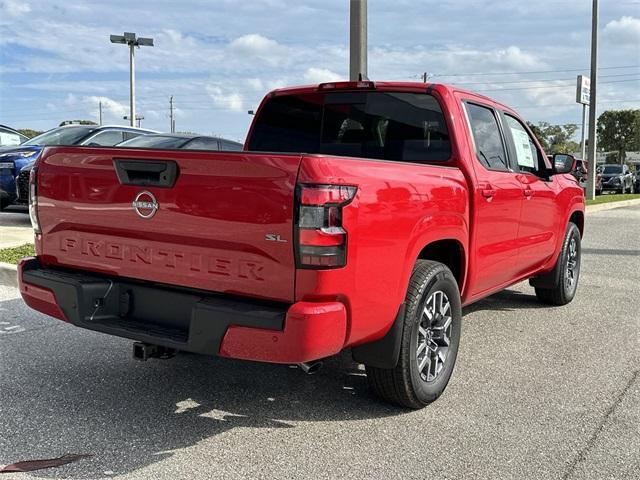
(216, 221)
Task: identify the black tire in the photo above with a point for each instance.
(405, 385)
(561, 291)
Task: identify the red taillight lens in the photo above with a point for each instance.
(33, 199)
(321, 240)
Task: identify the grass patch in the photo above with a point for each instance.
(608, 197)
(12, 255)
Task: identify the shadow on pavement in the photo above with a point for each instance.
(67, 390)
(505, 301)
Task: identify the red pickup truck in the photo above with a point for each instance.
(360, 215)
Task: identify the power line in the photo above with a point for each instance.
(490, 82)
(550, 86)
(470, 74)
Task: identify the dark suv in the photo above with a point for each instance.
(617, 178)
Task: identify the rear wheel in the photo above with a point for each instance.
(566, 273)
(430, 340)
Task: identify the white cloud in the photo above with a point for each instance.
(232, 101)
(256, 46)
(117, 109)
(625, 31)
(320, 75)
(14, 8)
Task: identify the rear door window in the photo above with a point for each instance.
(384, 125)
(487, 137)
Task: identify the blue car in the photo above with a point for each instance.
(14, 159)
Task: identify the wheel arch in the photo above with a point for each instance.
(449, 252)
(577, 217)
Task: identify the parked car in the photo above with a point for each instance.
(13, 174)
(598, 183)
(636, 181)
(582, 173)
(181, 141)
(378, 210)
(617, 178)
(10, 137)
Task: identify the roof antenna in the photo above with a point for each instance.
(363, 78)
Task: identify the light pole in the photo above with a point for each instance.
(358, 40)
(591, 176)
(130, 39)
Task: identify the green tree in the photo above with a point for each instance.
(537, 131)
(556, 138)
(619, 130)
(27, 132)
(77, 122)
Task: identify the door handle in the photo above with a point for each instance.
(488, 192)
(528, 193)
(146, 173)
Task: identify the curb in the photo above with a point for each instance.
(8, 275)
(610, 206)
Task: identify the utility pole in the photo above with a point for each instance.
(358, 40)
(100, 110)
(172, 125)
(132, 84)
(591, 177)
(130, 39)
(583, 143)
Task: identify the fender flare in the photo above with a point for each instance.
(385, 352)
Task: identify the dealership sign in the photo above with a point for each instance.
(583, 90)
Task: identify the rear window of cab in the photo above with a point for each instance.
(407, 127)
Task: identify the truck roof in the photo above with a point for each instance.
(417, 87)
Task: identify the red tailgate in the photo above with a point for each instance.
(224, 226)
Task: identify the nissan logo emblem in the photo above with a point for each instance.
(145, 204)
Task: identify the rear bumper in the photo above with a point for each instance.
(185, 319)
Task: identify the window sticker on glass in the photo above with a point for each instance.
(523, 148)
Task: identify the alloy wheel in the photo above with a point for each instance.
(572, 264)
(433, 339)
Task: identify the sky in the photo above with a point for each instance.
(219, 57)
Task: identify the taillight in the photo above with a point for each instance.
(33, 199)
(321, 240)
(360, 84)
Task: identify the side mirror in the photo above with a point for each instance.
(562, 163)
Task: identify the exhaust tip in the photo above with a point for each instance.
(310, 367)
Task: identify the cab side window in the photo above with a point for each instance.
(528, 156)
(487, 137)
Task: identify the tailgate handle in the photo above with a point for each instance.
(146, 173)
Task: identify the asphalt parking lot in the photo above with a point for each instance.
(538, 392)
(15, 226)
